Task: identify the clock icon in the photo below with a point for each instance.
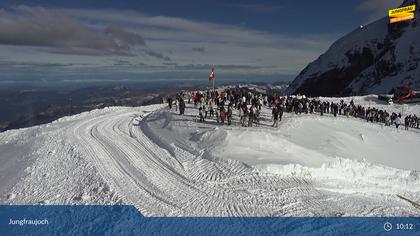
(387, 226)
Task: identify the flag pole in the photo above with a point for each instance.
(212, 76)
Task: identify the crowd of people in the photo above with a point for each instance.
(370, 114)
(247, 104)
(222, 105)
(179, 103)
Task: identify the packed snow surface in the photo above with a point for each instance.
(167, 164)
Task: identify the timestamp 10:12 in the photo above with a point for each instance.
(404, 226)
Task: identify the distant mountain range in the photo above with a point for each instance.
(20, 109)
(372, 59)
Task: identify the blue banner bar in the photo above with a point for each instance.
(127, 220)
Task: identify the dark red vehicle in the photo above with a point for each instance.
(405, 94)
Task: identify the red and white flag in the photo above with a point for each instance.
(212, 75)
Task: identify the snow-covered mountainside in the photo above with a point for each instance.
(167, 164)
(372, 59)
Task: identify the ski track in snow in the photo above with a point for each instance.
(123, 155)
(160, 183)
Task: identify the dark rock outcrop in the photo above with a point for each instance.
(371, 59)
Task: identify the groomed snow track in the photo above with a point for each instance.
(161, 183)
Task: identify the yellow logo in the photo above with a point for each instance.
(408, 16)
(402, 14)
(401, 11)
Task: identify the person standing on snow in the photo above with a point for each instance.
(275, 113)
(387, 120)
(217, 114)
(241, 114)
(222, 115)
(205, 111)
(300, 107)
(334, 108)
(200, 113)
(169, 100)
(229, 114)
(398, 121)
(181, 106)
(251, 116)
(407, 121)
(280, 111)
(202, 100)
(176, 104)
(245, 117)
(257, 116)
(418, 122)
(211, 111)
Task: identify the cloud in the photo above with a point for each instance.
(158, 55)
(172, 28)
(258, 7)
(37, 26)
(223, 67)
(83, 51)
(376, 9)
(175, 29)
(199, 49)
(127, 37)
(32, 64)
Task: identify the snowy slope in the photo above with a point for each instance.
(166, 164)
(370, 60)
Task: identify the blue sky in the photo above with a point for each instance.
(42, 39)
